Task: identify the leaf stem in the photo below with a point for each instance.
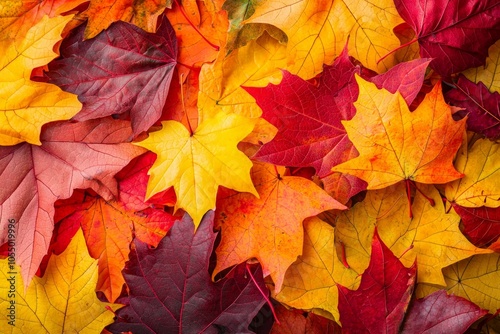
(407, 250)
(431, 201)
(183, 105)
(343, 255)
(408, 194)
(398, 48)
(263, 294)
(216, 47)
(277, 173)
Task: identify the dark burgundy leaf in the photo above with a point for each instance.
(123, 69)
(481, 106)
(481, 225)
(379, 304)
(457, 34)
(171, 290)
(441, 313)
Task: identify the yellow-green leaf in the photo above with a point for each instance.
(62, 301)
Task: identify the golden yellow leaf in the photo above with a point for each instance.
(318, 31)
(254, 65)
(489, 74)
(396, 144)
(311, 281)
(26, 105)
(196, 164)
(481, 184)
(434, 235)
(475, 279)
(62, 301)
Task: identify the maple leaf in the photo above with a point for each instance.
(433, 314)
(455, 34)
(196, 164)
(318, 30)
(474, 279)
(481, 225)
(72, 155)
(488, 74)
(143, 14)
(171, 290)
(432, 236)
(379, 303)
(301, 322)
(482, 175)
(396, 144)
(136, 82)
(17, 17)
(26, 105)
(481, 107)
(62, 301)
(311, 282)
(109, 227)
(269, 227)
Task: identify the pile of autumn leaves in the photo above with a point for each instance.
(390, 190)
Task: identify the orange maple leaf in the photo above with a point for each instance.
(268, 228)
(396, 144)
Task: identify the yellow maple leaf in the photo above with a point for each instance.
(196, 164)
(432, 236)
(253, 65)
(489, 74)
(396, 144)
(62, 301)
(475, 279)
(311, 281)
(26, 105)
(479, 187)
(318, 31)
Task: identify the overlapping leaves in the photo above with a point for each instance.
(271, 113)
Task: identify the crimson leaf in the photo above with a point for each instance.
(379, 304)
(481, 225)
